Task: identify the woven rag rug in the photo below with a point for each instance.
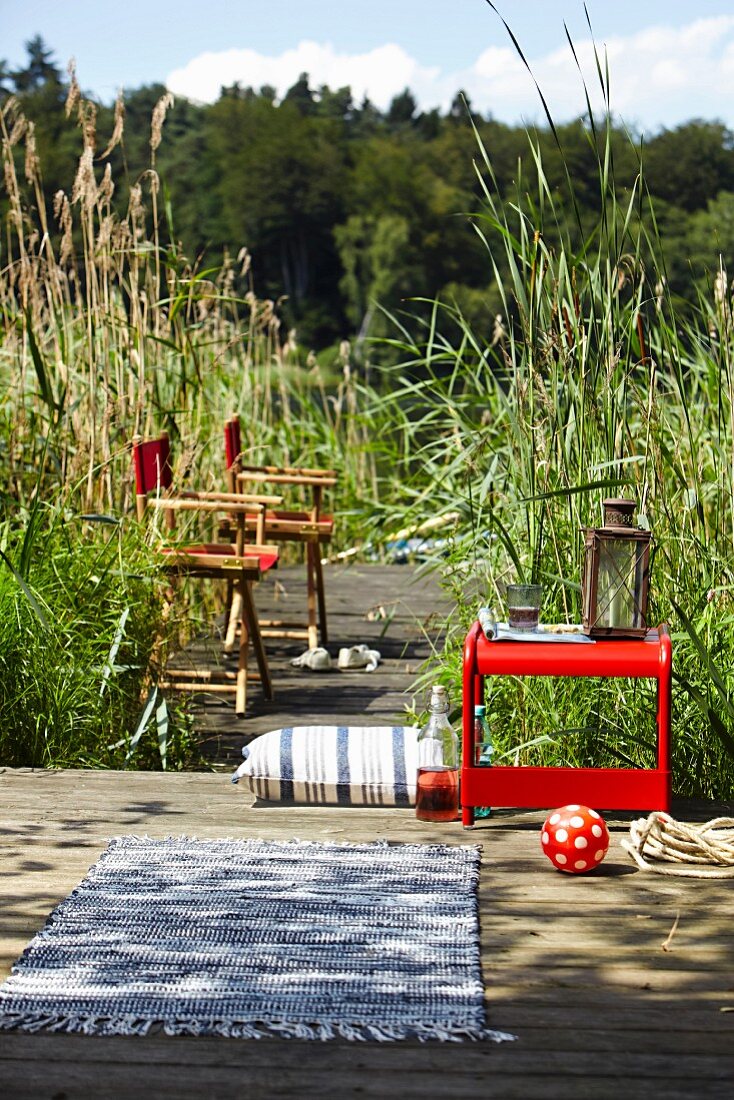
(250, 938)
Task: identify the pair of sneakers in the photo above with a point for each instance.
(350, 658)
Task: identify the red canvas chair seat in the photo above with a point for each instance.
(224, 554)
(283, 525)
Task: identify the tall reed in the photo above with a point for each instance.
(109, 331)
(591, 385)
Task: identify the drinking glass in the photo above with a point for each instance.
(523, 606)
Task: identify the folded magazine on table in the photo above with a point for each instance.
(545, 632)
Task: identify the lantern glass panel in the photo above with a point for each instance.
(620, 583)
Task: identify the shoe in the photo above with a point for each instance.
(318, 660)
(358, 657)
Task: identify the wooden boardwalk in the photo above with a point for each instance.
(394, 608)
(605, 999)
(575, 967)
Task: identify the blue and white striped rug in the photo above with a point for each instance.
(251, 938)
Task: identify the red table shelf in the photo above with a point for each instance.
(543, 788)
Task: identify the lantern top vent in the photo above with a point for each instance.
(619, 513)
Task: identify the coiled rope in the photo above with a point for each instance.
(699, 851)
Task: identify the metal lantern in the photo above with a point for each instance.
(616, 574)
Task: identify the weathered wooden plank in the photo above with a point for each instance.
(571, 965)
(669, 1038)
(356, 596)
(521, 1075)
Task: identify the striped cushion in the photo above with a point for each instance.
(347, 765)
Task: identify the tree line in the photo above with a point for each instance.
(348, 211)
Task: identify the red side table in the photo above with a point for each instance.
(543, 788)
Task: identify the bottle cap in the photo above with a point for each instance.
(439, 701)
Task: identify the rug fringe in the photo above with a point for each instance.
(84, 1025)
(241, 1029)
(130, 840)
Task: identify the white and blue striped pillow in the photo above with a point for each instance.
(343, 765)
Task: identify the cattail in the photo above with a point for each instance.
(10, 108)
(88, 123)
(720, 286)
(136, 212)
(121, 238)
(74, 94)
(659, 291)
(107, 186)
(499, 333)
(154, 179)
(11, 186)
(62, 213)
(245, 259)
(207, 298)
(84, 190)
(228, 281)
(18, 130)
(118, 127)
(159, 117)
(32, 163)
(721, 301)
(104, 240)
(267, 309)
(135, 204)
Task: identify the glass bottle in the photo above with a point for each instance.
(483, 749)
(483, 746)
(437, 794)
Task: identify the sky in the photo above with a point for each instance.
(669, 60)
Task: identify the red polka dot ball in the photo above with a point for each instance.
(575, 839)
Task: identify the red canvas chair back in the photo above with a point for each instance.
(232, 441)
(152, 460)
(300, 524)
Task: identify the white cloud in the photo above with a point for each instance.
(659, 75)
(381, 73)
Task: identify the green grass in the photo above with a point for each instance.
(80, 613)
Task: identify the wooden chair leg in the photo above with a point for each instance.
(313, 629)
(320, 594)
(241, 690)
(233, 616)
(228, 608)
(250, 624)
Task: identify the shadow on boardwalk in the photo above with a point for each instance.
(396, 609)
(615, 983)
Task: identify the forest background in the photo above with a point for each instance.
(343, 206)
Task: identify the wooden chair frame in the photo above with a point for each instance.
(239, 563)
(309, 527)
